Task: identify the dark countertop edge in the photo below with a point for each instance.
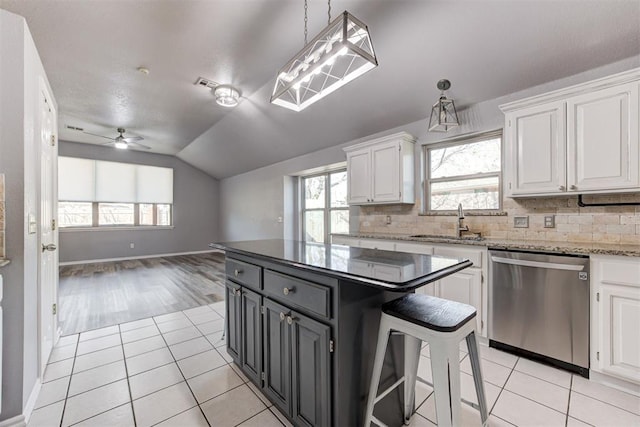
(586, 249)
(394, 287)
(4, 262)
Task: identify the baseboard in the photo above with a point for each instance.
(89, 261)
(617, 383)
(17, 421)
(31, 402)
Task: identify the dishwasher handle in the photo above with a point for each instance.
(538, 264)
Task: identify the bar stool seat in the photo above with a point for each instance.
(443, 324)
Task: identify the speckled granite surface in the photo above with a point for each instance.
(533, 245)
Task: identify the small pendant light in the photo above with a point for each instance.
(443, 113)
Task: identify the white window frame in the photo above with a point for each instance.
(467, 139)
(327, 203)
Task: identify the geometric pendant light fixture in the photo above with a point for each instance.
(337, 55)
(443, 113)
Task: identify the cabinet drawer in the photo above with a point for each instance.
(244, 273)
(298, 293)
(620, 271)
(474, 256)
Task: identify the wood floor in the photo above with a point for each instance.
(102, 294)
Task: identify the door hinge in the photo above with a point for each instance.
(400, 194)
(54, 309)
(509, 123)
(598, 355)
(399, 147)
(53, 140)
(598, 296)
(330, 346)
(482, 324)
(262, 311)
(262, 375)
(509, 186)
(53, 224)
(481, 278)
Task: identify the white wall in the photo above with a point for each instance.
(250, 203)
(20, 75)
(195, 221)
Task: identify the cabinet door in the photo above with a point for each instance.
(602, 138)
(620, 347)
(385, 170)
(464, 286)
(359, 177)
(536, 142)
(277, 355)
(234, 321)
(251, 348)
(311, 373)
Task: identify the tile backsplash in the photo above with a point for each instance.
(2, 254)
(611, 224)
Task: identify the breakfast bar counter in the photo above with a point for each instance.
(302, 322)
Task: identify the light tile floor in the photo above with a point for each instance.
(173, 370)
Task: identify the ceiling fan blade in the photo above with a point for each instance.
(101, 136)
(139, 145)
(133, 138)
(108, 143)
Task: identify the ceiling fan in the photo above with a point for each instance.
(122, 142)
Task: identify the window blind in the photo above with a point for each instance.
(85, 180)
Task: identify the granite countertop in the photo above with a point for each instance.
(395, 271)
(573, 248)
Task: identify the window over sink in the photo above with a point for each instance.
(465, 171)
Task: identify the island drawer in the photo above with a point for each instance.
(298, 293)
(244, 273)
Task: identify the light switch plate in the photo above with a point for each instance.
(549, 221)
(521, 222)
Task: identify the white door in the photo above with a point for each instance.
(359, 177)
(48, 274)
(602, 139)
(620, 339)
(385, 172)
(536, 138)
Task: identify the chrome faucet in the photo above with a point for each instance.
(461, 227)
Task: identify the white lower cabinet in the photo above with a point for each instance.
(615, 316)
(464, 286)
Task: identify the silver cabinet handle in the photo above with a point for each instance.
(237, 272)
(282, 316)
(288, 291)
(291, 319)
(573, 187)
(50, 247)
(561, 188)
(538, 264)
(237, 292)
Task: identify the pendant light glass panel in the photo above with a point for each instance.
(443, 115)
(340, 53)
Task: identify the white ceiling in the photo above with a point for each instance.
(487, 48)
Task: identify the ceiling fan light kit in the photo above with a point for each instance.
(121, 145)
(443, 113)
(337, 55)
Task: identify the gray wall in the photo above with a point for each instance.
(21, 74)
(195, 210)
(251, 203)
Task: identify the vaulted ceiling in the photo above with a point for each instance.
(487, 48)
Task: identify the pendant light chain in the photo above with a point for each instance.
(306, 7)
(329, 12)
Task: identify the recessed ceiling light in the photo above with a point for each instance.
(143, 70)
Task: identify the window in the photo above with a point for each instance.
(95, 193)
(324, 206)
(464, 171)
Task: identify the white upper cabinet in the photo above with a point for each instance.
(381, 171)
(602, 139)
(578, 140)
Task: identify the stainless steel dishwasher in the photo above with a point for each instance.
(539, 307)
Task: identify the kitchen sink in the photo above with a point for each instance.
(435, 236)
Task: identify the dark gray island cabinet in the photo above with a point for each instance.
(302, 323)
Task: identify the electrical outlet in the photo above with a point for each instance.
(132, 245)
(388, 219)
(521, 222)
(549, 221)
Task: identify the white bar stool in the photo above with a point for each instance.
(443, 324)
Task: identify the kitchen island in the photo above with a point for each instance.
(302, 323)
